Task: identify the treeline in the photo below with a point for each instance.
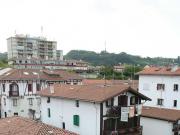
(110, 59)
(128, 73)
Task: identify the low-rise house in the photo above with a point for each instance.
(19, 89)
(24, 126)
(93, 109)
(160, 121)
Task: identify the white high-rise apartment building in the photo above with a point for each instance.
(24, 46)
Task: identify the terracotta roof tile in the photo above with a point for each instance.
(25, 74)
(91, 93)
(24, 126)
(160, 71)
(161, 113)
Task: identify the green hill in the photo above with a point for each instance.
(109, 59)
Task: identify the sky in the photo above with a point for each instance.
(139, 27)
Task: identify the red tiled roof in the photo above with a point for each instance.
(160, 71)
(161, 113)
(132, 83)
(24, 126)
(25, 74)
(90, 93)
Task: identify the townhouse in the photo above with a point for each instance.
(93, 109)
(19, 89)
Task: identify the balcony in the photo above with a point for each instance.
(13, 93)
(176, 128)
(125, 131)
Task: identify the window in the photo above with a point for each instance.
(38, 101)
(123, 100)
(76, 120)
(48, 100)
(132, 100)
(30, 101)
(13, 89)
(14, 102)
(29, 87)
(5, 114)
(160, 86)
(63, 125)
(110, 102)
(175, 87)
(15, 114)
(49, 112)
(175, 103)
(3, 85)
(77, 103)
(160, 101)
(4, 101)
(38, 87)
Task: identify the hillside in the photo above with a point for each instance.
(109, 59)
(3, 60)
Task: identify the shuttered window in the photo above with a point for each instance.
(76, 120)
(49, 112)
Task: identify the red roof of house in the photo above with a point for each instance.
(33, 74)
(90, 93)
(161, 113)
(160, 71)
(24, 126)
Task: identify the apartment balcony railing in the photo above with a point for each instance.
(176, 128)
(13, 93)
(125, 131)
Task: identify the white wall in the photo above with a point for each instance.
(156, 127)
(23, 106)
(169, 95)
(62, 110)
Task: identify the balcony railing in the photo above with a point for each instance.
(176, 128)
(13, 93)
(134, 131)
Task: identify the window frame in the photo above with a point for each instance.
(161, 101)
(49, 112)
(176, 88)
(76, 120)
(174, 103)
(14, 102)
(30, 101)
(160, 86)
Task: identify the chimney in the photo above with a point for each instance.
(51, 87)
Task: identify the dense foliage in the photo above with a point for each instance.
(109, 59)
(3, 60)
(128, 73)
